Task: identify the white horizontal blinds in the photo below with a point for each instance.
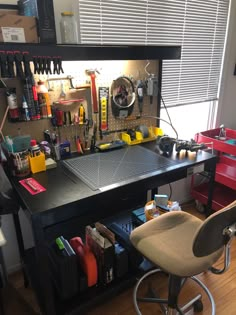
(195, 78)
(165, 22)
(137, 22)
(112, 21)
(199, 26)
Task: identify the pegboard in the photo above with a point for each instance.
(108, 71)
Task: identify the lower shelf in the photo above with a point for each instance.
(226, 175)
(222, 195)
(83, 301)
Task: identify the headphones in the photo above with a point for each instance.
(121, 108)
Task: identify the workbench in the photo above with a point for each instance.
(68, 205)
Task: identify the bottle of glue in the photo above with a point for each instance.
(44, 100)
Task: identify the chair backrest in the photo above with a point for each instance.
(209, 236)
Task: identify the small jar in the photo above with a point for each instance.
(69, 28)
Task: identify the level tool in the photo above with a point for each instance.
(103, 108)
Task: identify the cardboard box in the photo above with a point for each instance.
(17, 29)
(13, 12)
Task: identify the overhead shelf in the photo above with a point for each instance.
(105, 52)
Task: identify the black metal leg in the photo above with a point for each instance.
(210, 191)
(175, 285)
(21, 246)
(154, 192)
(2, 311)
(46, 298)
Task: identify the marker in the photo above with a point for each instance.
(61, 247)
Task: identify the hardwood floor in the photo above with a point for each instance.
(21, 301)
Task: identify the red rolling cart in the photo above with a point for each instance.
(225, 178)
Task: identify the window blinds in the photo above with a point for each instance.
(199, 26)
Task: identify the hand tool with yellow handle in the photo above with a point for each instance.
(81, 113)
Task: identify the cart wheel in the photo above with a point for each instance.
(198, 306)
(200, 207)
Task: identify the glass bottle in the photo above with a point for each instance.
(68, 26)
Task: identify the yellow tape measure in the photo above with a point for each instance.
(103, 108)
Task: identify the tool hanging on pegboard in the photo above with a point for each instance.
(81, 114)
(103, 93)
(92, 74)
(122, 97)
(140, 95)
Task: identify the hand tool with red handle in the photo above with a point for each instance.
(87, 260)
(91, 73)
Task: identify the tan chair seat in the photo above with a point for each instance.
(156, 240)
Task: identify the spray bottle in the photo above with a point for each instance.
(26, 113)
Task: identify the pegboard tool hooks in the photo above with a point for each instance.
(42, 64)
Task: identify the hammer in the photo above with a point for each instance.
(91, 73)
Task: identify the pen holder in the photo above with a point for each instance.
(19, 163)
(37, 163)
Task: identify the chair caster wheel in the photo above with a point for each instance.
(198, 306)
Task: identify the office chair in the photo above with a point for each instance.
(184, 246)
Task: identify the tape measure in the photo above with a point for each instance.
(103, 108)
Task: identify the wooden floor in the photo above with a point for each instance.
(21, 301)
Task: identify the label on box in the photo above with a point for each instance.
(13, 34)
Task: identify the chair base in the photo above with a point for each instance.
(165, 303)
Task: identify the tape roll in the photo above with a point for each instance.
(144, 130)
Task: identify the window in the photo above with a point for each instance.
(189, 85)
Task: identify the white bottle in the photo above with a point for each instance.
(68, 26)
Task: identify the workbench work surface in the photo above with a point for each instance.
(63, 189)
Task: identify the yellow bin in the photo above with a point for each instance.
(37, 163)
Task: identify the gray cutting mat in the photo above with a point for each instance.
(106, 168)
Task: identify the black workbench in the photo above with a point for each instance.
(68, 205)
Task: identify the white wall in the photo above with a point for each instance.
(180, 189)
(226, 113)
